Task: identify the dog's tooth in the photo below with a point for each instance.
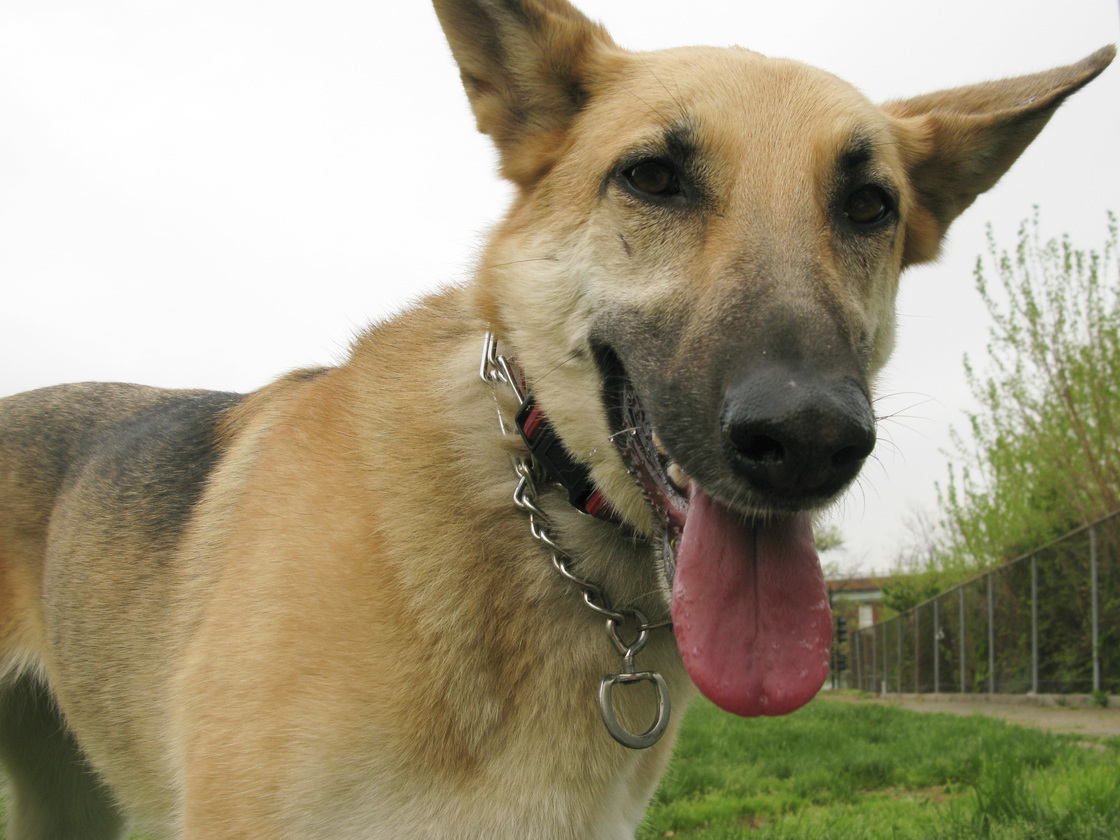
(658, 445)
(677, 475)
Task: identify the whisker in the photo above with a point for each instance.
(541, 375)
(490, 266)
(676, 98)
(612, 438)
(650, 110)
(902, 412)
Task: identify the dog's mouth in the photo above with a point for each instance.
(749, 604)
(662, 481)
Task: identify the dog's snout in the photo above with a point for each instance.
(797, 437)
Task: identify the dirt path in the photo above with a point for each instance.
(1076, 718)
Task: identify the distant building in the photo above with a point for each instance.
(857, 600)
(856, 604)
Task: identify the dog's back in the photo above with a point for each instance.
(95, 470)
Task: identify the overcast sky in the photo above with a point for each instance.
(210, 193)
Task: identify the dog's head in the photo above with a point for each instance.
(700, 266)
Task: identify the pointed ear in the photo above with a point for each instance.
(525, 65)
(958, 143)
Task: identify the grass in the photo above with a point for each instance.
(855, 771)
(860, 771)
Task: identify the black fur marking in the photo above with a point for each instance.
(679, 149)
(856, 167)
(152, 464)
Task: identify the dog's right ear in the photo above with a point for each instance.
(526, 66)
(958, 143)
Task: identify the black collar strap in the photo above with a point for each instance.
(557, 462)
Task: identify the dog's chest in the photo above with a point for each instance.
(574, 783)
(532, 809)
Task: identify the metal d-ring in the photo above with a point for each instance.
(619, 732)
(628, 651)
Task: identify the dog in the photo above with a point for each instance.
(369, 601)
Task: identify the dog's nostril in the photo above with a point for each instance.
(853, 455)
(761, 448)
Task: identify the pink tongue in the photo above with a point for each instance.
(750, 609)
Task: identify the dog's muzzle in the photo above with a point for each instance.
(732, 459)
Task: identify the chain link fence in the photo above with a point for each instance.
(1047, 623)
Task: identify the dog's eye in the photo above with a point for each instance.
(867, 205)
(653, 177)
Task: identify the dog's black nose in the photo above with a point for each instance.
(797, 436)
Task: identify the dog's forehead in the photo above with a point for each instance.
(737, 100)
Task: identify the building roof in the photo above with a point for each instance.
(858, 589)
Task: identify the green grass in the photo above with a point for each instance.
(860, 771)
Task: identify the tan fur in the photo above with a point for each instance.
(313, 611)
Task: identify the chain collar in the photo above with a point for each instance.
(539, 466)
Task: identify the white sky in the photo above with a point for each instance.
(210, 193)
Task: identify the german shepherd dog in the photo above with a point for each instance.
(369, 601)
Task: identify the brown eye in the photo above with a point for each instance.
(867, 205)
(653, 177)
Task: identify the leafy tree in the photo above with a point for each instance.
(1042, 454)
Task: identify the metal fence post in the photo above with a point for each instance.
(874, 669)
(863, 661)
(864, 682)
(917, 648)
(883, 684)
(898, 639)
(853, 664)
(1096, 609)
(991, 635)
(936, 645)
(862, 666)
(960, 592)
(1034, 624)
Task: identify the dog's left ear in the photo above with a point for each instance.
(525, 65)
(958, 143)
